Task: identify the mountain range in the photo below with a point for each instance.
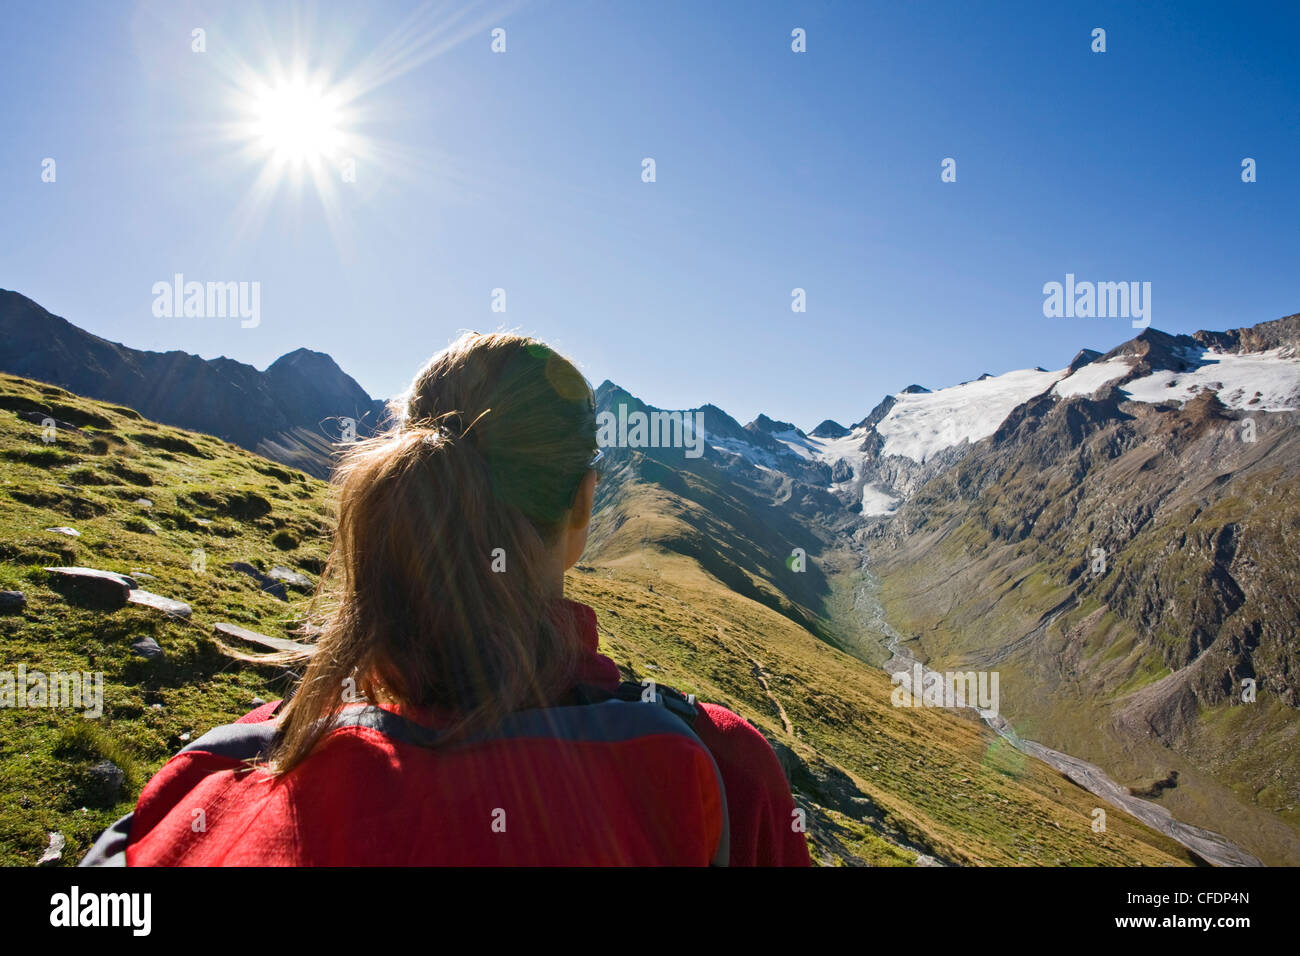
(292, 412)
(1116, 538)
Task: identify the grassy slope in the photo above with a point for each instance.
(923, 779)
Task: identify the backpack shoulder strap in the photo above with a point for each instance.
(684, 706)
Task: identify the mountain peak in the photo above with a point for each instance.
(307, 361)
(764, 424)
(1256, 338)
(1158, 350)
(829, 429)
(1085, 357)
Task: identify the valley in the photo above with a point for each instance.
(1208, 845)
(1117, 539)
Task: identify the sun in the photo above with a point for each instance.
(298, 129)
(297, 121)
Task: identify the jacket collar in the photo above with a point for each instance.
(593, 667)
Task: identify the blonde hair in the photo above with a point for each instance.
(491, 444)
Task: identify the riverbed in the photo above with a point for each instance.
(1210, 846)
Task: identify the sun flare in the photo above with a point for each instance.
(302, 117)
(297, 122)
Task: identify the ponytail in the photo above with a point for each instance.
(438, 589)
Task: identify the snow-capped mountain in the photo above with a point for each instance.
(915, 433)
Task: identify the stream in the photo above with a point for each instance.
(1206, 844)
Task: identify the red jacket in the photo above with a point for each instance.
(586, 785)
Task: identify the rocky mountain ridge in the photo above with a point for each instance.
(293, 412)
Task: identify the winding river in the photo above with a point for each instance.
(1206, 844)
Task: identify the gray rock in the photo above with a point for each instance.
(235, 632)
(143, 502)
(164, 604)
(148, 648)
(54, 851)
(107, 588)
(292, 578)
(12, 601)
(107, 781)
(39, 417)
(268, 584)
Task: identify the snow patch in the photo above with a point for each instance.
(1090, 378)
(920, 426)
(757, 457)
(1255, 381)
(875, 501)
(805, 446)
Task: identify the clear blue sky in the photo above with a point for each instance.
(775, 170)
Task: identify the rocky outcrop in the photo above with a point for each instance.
(829, 429)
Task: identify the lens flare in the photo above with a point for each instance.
(297, 122)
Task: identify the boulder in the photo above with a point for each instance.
(148, 648)
(164, 604)
(11, 601)
(292, 578)
(39, 418)
(235, 632)
(107, 589)
(267, 583)
(54, 851)
(106, 781)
